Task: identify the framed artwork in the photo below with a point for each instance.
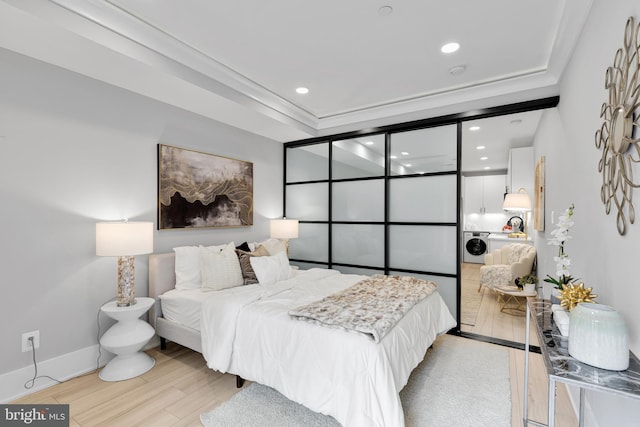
(538, 201)
(203, 190)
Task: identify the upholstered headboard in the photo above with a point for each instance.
(162, 278)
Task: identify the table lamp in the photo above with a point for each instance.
(124, 240)
(519, 202)
(284, 229)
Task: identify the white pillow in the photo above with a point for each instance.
(273, 246)
(220, 268)
(271, 269)
(187, 266)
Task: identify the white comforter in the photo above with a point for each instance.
(248, 332)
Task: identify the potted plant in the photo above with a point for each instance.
(527, 283)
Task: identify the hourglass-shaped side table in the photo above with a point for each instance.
(126, 339)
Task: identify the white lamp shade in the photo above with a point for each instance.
(517, 202)
(124, 238)
(284, 228)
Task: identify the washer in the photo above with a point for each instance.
(475, 244)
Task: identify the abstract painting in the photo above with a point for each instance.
(203, 190)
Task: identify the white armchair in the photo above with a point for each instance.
(504, 265)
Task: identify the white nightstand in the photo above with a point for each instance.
(125, 339)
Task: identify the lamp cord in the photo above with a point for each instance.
(98, 336)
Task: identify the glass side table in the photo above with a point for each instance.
(126, 339)
(561, 367)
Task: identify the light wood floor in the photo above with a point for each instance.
(180, 387)
(491, 321)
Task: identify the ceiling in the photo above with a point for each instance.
(366, 63)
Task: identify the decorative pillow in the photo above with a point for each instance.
(244, 246)
(273, 245)
(271, 269)
(187, 267)
(248, 275)
(220, 269)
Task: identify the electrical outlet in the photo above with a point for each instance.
(26, 343)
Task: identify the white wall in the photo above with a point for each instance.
(74, 151)
(601, 257)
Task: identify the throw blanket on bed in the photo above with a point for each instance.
(372, 306)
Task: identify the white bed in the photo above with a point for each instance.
(247, 331)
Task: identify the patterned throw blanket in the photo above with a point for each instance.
(372, 306)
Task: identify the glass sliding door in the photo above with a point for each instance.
(358, 204)
(388, 200)
(307, 200)
(379, 203)
(422, 207)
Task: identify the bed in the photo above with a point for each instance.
(247, 331)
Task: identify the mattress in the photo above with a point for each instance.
(184, 306)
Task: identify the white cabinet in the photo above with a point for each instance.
(484, 194)
(521, 170)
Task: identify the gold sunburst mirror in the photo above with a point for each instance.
(620, 150)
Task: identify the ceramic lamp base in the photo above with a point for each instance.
(598, 336)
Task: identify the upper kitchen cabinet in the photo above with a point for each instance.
(521, 170)
(484, 194)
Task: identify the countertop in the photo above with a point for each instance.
(505, 236)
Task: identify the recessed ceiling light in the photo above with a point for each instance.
(404, 153)
(484, 158)
(368, 143)
(302, 90)
(393, 157)
(450, 47)
(408, 165)
(480, 147)
(458, 69)
(385, 10)
(487, 167)
(474, 128)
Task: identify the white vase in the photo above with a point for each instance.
(598, 336)
(529, 287)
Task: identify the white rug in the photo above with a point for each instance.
(461, 382)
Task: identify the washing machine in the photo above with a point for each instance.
(476, 244)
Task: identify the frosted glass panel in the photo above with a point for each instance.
(308, 163)
(358, 157)
(312, 243)
(424, 151)
(423, 248)
(359, 244)
(308, 202)
(446, 288)
(423, 199)
(353, 270)
(358, 200)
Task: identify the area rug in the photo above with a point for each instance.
(470, 301)
(461, 382)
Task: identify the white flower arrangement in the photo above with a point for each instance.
(559, 236)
